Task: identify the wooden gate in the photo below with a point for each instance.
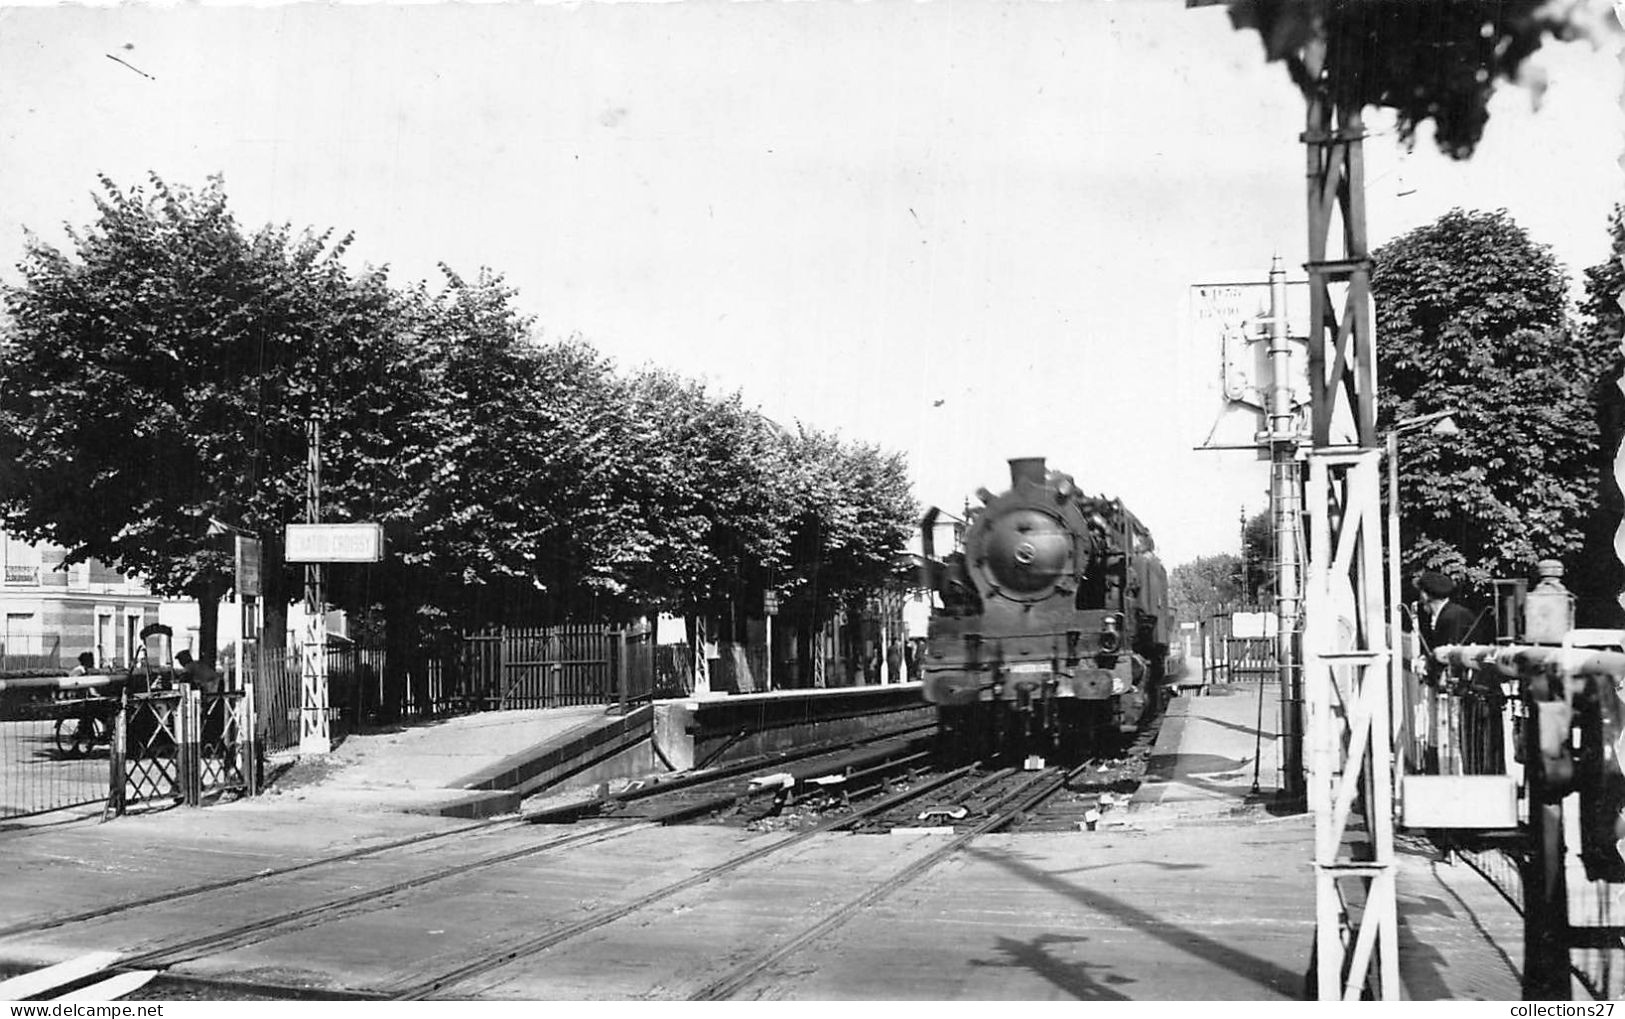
(1228, 658)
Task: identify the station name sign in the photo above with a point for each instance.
(334, 543)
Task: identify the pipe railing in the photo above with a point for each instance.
(1565, 692)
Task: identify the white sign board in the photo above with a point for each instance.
(1252, 625)
(1231, 319)
(334, 543)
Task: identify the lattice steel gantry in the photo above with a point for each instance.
(1346, 644)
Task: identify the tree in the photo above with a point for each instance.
(155, 377)
(1203, 587)
(708, 500)
(853, 515)
(1471, 318)
(1434, 60)
(1258, 556)
(1595, 575)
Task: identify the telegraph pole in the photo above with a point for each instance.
(1246, 560)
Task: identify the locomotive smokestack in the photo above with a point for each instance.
(1027, 468)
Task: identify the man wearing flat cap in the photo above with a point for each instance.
(1441, 621)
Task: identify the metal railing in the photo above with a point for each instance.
(1552, 718)
(54, 744)
(31, 652)
(181, 745)
(493, 670)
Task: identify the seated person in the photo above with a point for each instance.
(86, 666)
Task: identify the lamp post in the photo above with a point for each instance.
(1444, 425)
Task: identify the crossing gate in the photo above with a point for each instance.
(180, 745)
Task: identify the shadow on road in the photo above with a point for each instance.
(1265, 973)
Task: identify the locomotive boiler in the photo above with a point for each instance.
(1050, 628)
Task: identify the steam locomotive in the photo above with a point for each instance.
(1050, 628)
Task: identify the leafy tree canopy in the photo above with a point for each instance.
(1205, 586)
(157, 373)
(1434, 60)
(1471, 318)
(854, 512)
(1595, 575)
(709, 494)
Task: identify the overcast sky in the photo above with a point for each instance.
(965, 230)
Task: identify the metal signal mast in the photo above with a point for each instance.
(1346, 644)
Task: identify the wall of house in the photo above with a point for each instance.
(53, 612)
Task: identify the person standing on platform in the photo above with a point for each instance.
(1441, 621)
(1471, 734)
(894, 662)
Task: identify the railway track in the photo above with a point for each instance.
(1004, 797)
(692, 782)
(640, 808)
(882, 785)
(526, 947)
(1012, 795)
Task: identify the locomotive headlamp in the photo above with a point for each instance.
(1064, 489)
(1111, 636)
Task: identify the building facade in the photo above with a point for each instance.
(54, 612)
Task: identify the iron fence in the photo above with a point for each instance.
(491, 670)
(1541, 715)
(30, 652)
(146, 763)
(181, 745)
(54, 749)
(278, 695)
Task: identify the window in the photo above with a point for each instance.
(22, 634)
(106, 637)
(22, 563)
(132, 637)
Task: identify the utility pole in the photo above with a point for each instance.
(1284, 498)
(1246, 561)
(313, 735)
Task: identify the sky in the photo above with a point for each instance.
(963, 230)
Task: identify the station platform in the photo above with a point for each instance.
(1197, 889)
(441, 767)
(1459, 939)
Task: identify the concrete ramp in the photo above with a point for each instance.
(611, 746)
(471, 766)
